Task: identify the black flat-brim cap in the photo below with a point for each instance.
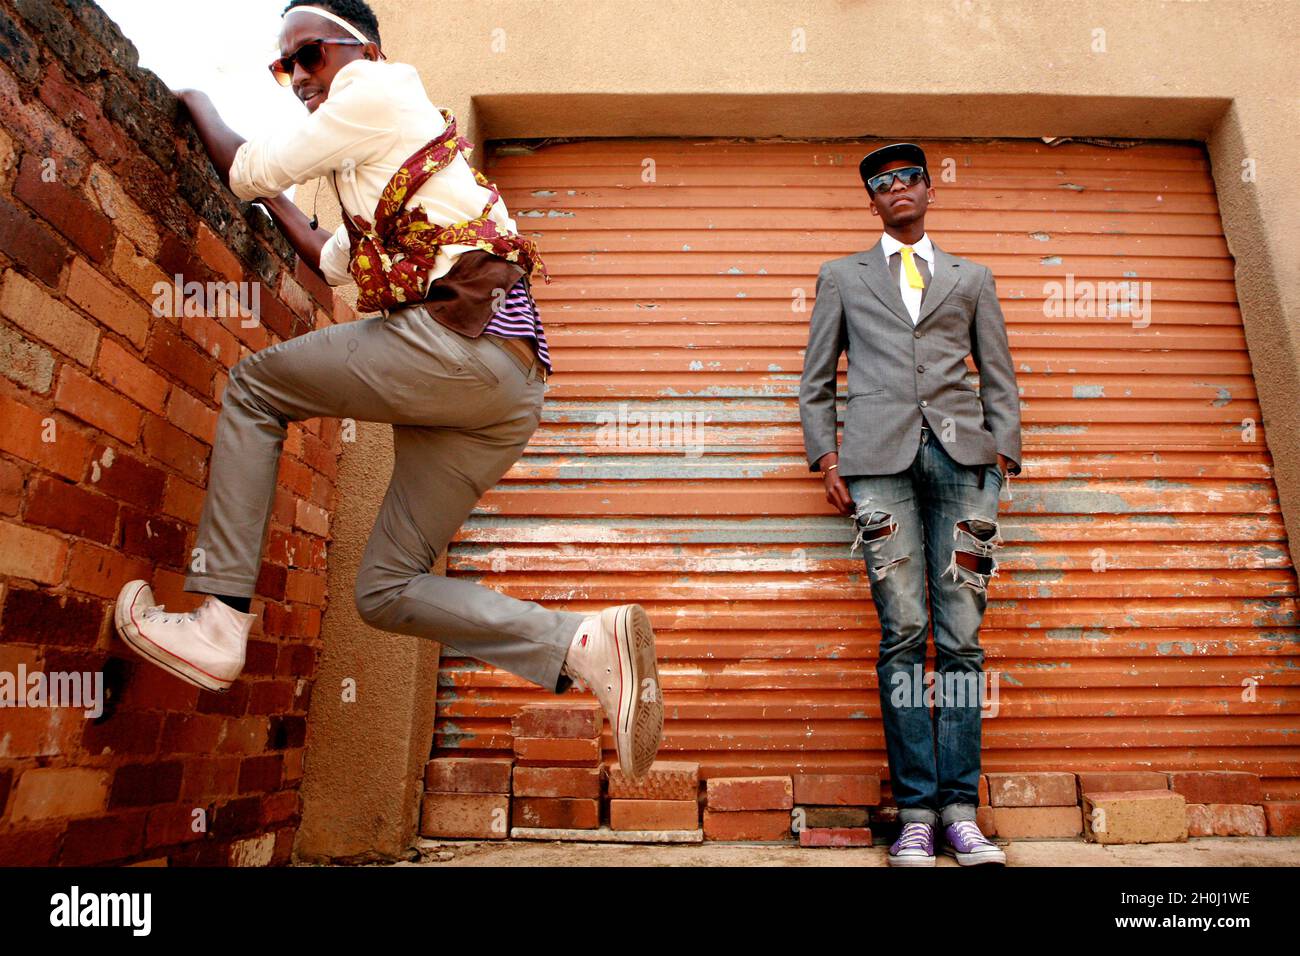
(872, 162)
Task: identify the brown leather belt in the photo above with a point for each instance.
(522, 350)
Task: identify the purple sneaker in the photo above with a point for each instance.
(964, 840)
(914, 846)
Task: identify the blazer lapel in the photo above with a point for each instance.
(942, 280)
(875, 273)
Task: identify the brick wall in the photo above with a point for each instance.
(108, 407)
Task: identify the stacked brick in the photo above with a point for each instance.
(466, 798)
(1027, 806)
(832, 808)
(557, 766)
(665, 799)
(751, 809)
(109, 396)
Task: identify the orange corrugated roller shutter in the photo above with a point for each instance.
(1144, 614)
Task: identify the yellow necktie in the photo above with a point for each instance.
(910, 270)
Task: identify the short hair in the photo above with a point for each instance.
(356, 12)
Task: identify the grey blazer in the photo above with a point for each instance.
(900, 373)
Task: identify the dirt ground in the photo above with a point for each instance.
(1199, 852)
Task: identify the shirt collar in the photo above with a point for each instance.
(925, 249)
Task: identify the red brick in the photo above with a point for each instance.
(837, 789)
(30, 846)
(835, 836)
(987, 823)
(31, 554)
(22, 433)
(245, 735)
(1237, 819)
(171, 446)
(33, 309)
(81, 396)
(1046, 789)
(281, 806)
(28, 242)
(1216, 786)
(556, 813)
(126, 478)
(81, 114)
(169, 826)
(45, 793)
(320, 290)
(654, 815)
(103, 839)
(65, 209)
(557, 782)
(311, 518)
(306, 587)
(39, 616)
(1108, 781)
(140, 784)
(484, 816)
(215, 253)
(261, 774)
(191, 415)
(665, 780)
(1283, 817)
(831, 818)
(125, 732)
(209, 777)
(103, 571)
(545, 751)
(558, 720)
(160, 540)
(763, 826)
(1043, 823)
(122, 371)
(112, 307)
(192, 733)
(66, 507)
(749, 793)
(183, 500)
(270, 696)
(214, 339)
(468, 775)
(11, 487)
(172, 353)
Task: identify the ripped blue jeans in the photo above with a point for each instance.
(913, 526)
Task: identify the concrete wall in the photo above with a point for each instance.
(1214, 71)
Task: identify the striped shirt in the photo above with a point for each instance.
(518, 319)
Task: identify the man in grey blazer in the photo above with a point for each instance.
(923, 460)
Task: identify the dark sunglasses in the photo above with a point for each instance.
(883, 181)
(311, 55)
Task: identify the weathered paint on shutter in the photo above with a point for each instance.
(1144, 454)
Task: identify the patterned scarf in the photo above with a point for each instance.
(390, 260)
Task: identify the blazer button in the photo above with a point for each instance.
(920, 368)
(916, 335)
(923, 403)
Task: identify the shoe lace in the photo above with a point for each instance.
(160, 613)
(915, 835)
(970, 830)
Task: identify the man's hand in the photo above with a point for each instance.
(837, 490)
(1002, 464)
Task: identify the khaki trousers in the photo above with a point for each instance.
(462, 411)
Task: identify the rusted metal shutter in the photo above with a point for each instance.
(1145, 585)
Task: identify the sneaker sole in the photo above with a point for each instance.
(910, 860)
(975, 859)
(130, 633)
(640, 724)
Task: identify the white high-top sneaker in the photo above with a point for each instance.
(204, 647)
(613, 656)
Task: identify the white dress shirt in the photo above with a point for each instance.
(911, 297)
(377, 114)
